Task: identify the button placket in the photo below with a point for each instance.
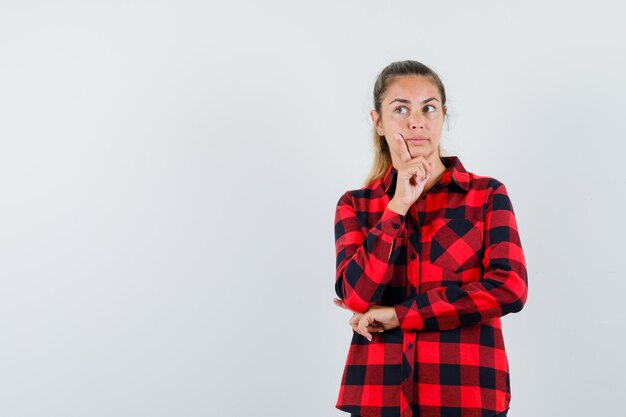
(413, 248)
(408, 366)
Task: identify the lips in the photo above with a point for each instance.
(416, 140)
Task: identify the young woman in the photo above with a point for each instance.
(428, 260)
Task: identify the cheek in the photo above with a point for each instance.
(436, 121)
(389, 125)
(392, 121)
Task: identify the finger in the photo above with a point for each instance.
(429, 170)
(428, 167)
(425, 170)
(362, 327)
(417, 171)
(417, 167)
(422, 169)
(354, 320)
(402, 149)
(375, 328)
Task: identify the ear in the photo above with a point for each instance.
(378, 124)
(445, 110)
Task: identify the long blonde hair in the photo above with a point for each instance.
(382, 154)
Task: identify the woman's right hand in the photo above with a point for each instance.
(412, 175)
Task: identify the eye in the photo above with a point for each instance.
(429, 108)
(399, 108)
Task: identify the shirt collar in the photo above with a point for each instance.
(455, 173)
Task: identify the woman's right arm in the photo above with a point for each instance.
(364, 259)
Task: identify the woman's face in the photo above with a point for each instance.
(412, 107)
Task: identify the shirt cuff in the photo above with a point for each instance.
(391, 223)
(408, 316)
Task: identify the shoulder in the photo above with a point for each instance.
(484, 182)
(474, 181)
(489, 192)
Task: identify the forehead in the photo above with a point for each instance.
(412, 87)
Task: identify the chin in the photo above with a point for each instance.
(420, 152)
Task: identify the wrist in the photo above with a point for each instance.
(398, 208)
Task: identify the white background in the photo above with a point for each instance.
(169, 172)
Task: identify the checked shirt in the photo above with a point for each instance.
(451, 267)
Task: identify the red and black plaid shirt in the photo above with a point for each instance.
(452, 266)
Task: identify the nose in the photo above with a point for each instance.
(416, 121)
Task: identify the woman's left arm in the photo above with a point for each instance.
(502, 289)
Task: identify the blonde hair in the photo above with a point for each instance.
(382, 154)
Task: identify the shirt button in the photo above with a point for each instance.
(412, 288)
(413, 256)
(396, 226)
(410, 345)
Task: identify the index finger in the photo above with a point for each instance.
(401, 148)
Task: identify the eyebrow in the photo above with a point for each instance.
(403, 100)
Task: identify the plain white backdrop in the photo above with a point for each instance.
(168, 178)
